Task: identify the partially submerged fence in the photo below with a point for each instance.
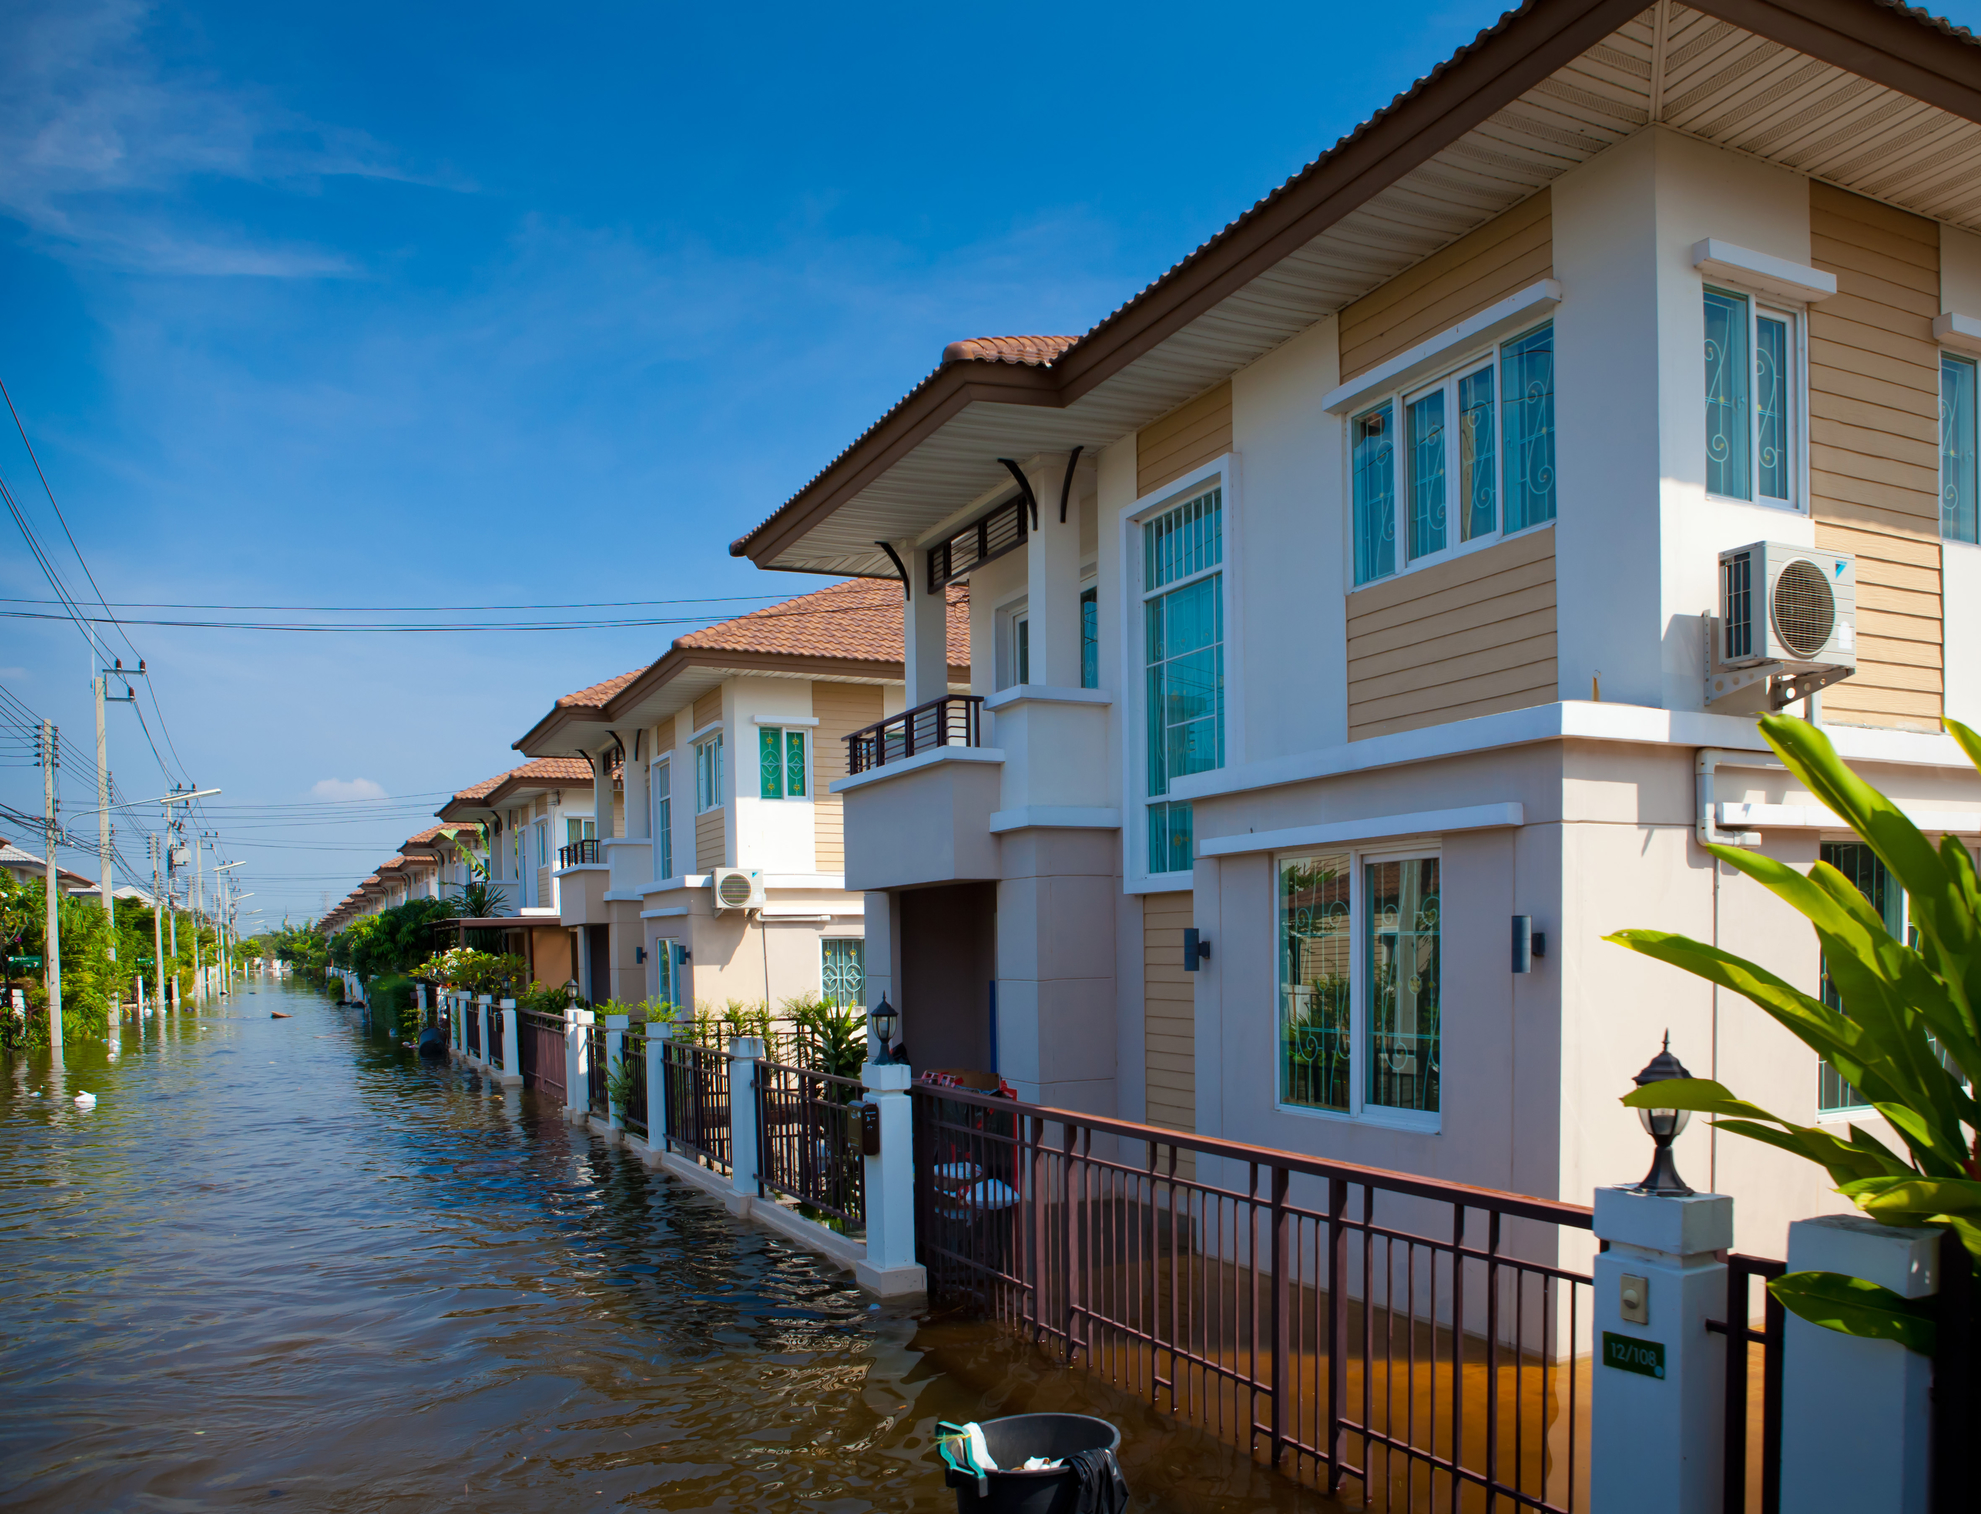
(696, 1080)
(1414, 1338)
(808, 1140)
(540, 1039)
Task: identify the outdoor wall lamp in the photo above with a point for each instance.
(1663, 1126)
(1528, 943)
(1196, 948)
(884, 1017)
(639, 954)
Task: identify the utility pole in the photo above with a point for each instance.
(105, 884)
(158, 926)
(223, 912)
(177, 796)
(52, 963)
(199, 908)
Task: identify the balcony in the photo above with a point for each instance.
(955, 720)
(579, 854)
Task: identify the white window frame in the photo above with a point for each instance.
(1360, 1110)
(1469, 361)
(784, 735)
(1775, 307)
(660, 815)
(1222, 472)
(708, 773)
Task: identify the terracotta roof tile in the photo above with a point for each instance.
(563, 769)
(1033, 351)
(858, 620)
(599, 694)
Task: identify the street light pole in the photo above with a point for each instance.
(166, 801)
(52, 963)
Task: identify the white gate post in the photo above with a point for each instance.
(512, 1051)
(1857, 1414)
(577, 1087)
(482, 1002)
(890, 1267)
(659, 1033)
(615, 1050)
(1657, 1432)
(743, 1054)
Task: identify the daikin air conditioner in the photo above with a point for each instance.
(737, 887)
(1788, 618)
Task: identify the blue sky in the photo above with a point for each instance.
(423, 305)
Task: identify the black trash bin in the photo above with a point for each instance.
(1016, 1439)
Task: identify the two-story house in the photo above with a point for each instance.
(727, 744)
(1355, 592)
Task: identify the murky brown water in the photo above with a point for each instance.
(284, 1263)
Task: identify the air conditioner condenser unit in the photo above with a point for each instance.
(737, 887)
(1787, 618)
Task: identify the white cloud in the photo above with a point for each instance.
(347, 788)
(100, 144)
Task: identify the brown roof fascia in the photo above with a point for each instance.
(929, 406)
(1904, 49)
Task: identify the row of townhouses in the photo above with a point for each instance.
(1363, 620)
(673, 835)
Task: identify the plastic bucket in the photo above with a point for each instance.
(1018, 1437)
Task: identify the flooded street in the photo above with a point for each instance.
(284, 1260)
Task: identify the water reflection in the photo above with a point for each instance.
(284, 1259)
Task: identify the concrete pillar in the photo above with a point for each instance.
(602, 793)
(512, 1048)
(1656, 1434)
(882, 956)
(1857, 1414)
(744, 1052)
(481, 1008)
(658, 1035)
(1052, 579)
(925, 632)
(615, 1051)
(890, 1266)
(638, 791)
(578, 1064)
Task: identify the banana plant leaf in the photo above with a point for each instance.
(1852, 1306)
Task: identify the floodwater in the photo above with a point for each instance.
(284, 1263)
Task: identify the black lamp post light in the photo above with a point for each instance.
(884, 1017)
(1663, 1126)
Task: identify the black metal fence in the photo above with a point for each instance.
(633, 1057)
(540, 1039)
(474, 1029)
(1752, 1472)
(695, 1080)
(808, 1140)
(951, 720)
(595, 1068)
(1414, 1338)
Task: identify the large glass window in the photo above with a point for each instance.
(666, 971)
(708, 774)
(1316, 942)
(1402, 957)
(1483, 434)
(663, 820)
(1959, 518)
(781, 763)
(1183, 622)
(843, 971)
(1090, 638)
(1750, 399)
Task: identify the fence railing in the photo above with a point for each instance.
(808, 1140)
(595, 1069)
(696, 1082)
(633, 1052)
(1412, 1337)
(579, 853)
(1752, 1475)
(495, 1036)
(953, 720)
(540, 1039)
(474, 1029)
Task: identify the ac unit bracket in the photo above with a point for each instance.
(1785, 685)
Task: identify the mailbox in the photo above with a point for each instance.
(870, 1129)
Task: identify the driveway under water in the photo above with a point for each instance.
(285, 1263)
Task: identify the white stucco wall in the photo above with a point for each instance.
(776, 835)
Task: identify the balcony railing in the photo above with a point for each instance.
(578, 853)
(953, 720)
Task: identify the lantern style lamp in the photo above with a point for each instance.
(884, 1018)
(571, 990)
(1663, 1126)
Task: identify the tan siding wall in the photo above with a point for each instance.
(1169, 1015)
(708, 709)
(840, 708)
(1874, 449)
(543, 888)
(711, 832)
(1501, 258)
(619, 813)
(1467, 637)
(1190, 436)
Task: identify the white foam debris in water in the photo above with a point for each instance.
(85, 1100)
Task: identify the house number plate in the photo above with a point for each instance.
(1632, 1355)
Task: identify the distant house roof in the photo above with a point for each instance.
(541, 773)
(858, 620)
(1030, 350)
(599, 694)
